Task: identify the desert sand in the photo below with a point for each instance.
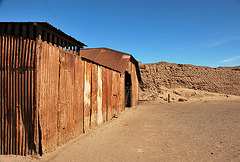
(196, 130)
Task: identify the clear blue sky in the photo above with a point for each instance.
(198, 32)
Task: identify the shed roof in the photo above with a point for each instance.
(112, 59)
(6, 28)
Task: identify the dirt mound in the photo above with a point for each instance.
(157, 76)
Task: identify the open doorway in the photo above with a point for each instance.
(128, 89)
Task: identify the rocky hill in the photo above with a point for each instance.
(225, 80)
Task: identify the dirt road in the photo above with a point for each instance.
(159, 132)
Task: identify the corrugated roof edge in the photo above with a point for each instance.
(48, 25)
(131, 58)
(107, 49)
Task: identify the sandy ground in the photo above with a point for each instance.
(155, 131)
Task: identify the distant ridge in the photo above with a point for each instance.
(224, 80)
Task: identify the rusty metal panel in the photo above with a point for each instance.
(118, 93)
(109, 94)
(78, 96)
(17, 98)
(104, 93)
(99, 97)
(122, 92)
(48, 96)
(60, 96)
(114, 93)
(87, 95)
(94, 91)
(66, 98)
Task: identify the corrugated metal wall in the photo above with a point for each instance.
(102, 96)
(50, 96)
(60, 96)
(17, 96)
(75, 95)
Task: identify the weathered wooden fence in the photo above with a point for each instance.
(50, 96)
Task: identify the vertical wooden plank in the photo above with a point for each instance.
(94, 92)
(87, 95)
(99, 97)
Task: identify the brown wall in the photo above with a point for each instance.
(60, 91)
(75, 95)
(50, 96)
(224, 80)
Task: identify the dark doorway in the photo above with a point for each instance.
(128, 89)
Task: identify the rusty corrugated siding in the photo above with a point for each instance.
(99, 97)
(48, 75)
(49, 95)
(104, 93)
(109, 94)
(60, 96)
(94, 91)
(17, 114)
(87, 94)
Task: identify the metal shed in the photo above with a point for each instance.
(121, 62)
(51, 94)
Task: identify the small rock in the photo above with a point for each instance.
(182, 99)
